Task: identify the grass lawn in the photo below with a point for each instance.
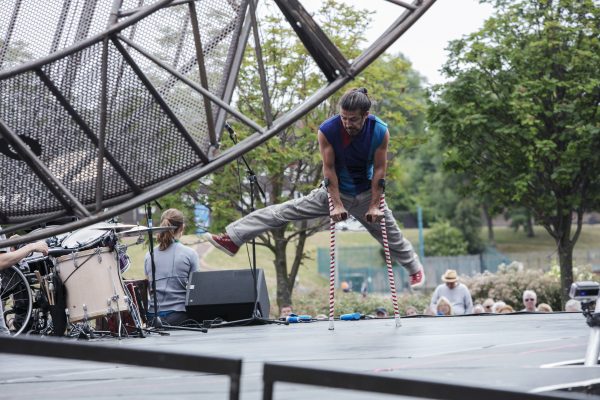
(507, 241)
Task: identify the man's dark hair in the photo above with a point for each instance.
(356, 99)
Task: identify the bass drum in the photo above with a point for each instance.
(93, 284)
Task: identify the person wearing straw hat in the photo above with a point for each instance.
(457, 294)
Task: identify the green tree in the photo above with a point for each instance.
(444, 240)
(520, 216)
(437, 191)
(290, 164)
(467, 218)
(184, 200)
(520, 115)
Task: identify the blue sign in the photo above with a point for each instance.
(201, 218)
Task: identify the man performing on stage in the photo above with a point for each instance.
(353, 148)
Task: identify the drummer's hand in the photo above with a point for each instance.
(13, 248)
(39, 247)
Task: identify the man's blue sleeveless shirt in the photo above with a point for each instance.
(354, 157)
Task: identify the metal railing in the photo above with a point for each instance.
(146, 358)
(427, 389)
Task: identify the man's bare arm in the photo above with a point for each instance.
(13, 257)
(374, 214)
(339, 213)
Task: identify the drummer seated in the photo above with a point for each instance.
(173, 264)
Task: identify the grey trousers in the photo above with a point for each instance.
(316, 204)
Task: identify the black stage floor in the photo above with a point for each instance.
(521, 352)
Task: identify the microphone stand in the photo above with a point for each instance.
(256, 317)
(156, 322)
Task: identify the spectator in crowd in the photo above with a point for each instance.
(456, 293)
(505, 309)
(428, 310)
(530, 301)
(364, 288)
(478, 309)
(381, 312)
(573, 306)
(443, 307)
(410, 310)
(497, 305)
(543, 307)
(345, 286)
(487, 305)
(285, 311)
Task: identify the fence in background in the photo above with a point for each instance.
(363, 267)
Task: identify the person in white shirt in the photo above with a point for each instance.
(457, 294)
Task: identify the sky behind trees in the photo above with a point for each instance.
(424, 43)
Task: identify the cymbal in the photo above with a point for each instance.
(107, 226)
(140, 230)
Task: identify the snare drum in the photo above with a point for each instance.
(88, 238)
(93, 283)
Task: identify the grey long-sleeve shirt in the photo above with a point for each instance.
(459, 297)
(173, 268)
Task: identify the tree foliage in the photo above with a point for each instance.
(444, 240)
(520, 115)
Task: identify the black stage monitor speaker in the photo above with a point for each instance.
(226, 294)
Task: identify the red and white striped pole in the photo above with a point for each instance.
(388, 258)
(331, 259)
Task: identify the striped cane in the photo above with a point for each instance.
(386, 249)
(331, 258)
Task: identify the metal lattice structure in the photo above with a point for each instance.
(105, 105)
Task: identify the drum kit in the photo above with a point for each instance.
(79, 281)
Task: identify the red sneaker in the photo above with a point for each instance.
(417, 279)
(223, 242)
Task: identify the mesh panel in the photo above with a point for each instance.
(168, 35)
(157, 126)
(62, 23)
(147, 141)
(139, 134)
(26, 106)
